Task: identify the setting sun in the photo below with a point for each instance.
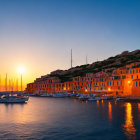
(21, 70)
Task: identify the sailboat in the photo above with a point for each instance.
(12, 98)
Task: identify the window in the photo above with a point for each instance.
(131, 76)
(107, 83)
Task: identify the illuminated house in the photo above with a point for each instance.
(124, 81)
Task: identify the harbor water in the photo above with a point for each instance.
(45, 118)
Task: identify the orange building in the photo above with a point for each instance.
(30, 88)
(136, 87)
(124, 81)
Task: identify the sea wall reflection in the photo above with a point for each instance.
(128, 127)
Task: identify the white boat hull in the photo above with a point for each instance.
(14, 100)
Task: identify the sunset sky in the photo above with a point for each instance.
(38, 34)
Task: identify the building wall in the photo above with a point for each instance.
(122, 81)
(136, 87)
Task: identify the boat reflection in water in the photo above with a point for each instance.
(128, 127)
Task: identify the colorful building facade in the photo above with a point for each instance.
(123, 81)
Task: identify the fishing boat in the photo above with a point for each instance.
(13, 99)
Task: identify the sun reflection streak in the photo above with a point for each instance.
(129, 129)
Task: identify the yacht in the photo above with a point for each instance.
(13, 99)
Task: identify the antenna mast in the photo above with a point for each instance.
(71, 58)
(86, 59)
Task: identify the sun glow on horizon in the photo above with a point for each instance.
(21, 69)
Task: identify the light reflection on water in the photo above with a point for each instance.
(110, 110)
(102, 102)
(139, 106)
(48, 118)
(97, 103)
(129, 128)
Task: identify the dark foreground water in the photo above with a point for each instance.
(69, 119)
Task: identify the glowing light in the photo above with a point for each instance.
(97, 103)
(109, 89)
(139, 106)
(21, 70)
(86, 90)
(110, 110)
(129, 128)
(64, 88)
(129, 82)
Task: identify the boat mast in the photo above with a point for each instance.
(17, 84)
(9, 85)
(21, 82)
(6, 82)
(0, 82)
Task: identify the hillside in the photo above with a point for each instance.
(107, 65)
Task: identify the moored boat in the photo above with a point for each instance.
(46, 95)
(58, 95)
(95, 99)
(13, 99)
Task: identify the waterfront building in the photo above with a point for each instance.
(124, 81)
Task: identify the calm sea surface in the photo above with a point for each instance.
(69, 119)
